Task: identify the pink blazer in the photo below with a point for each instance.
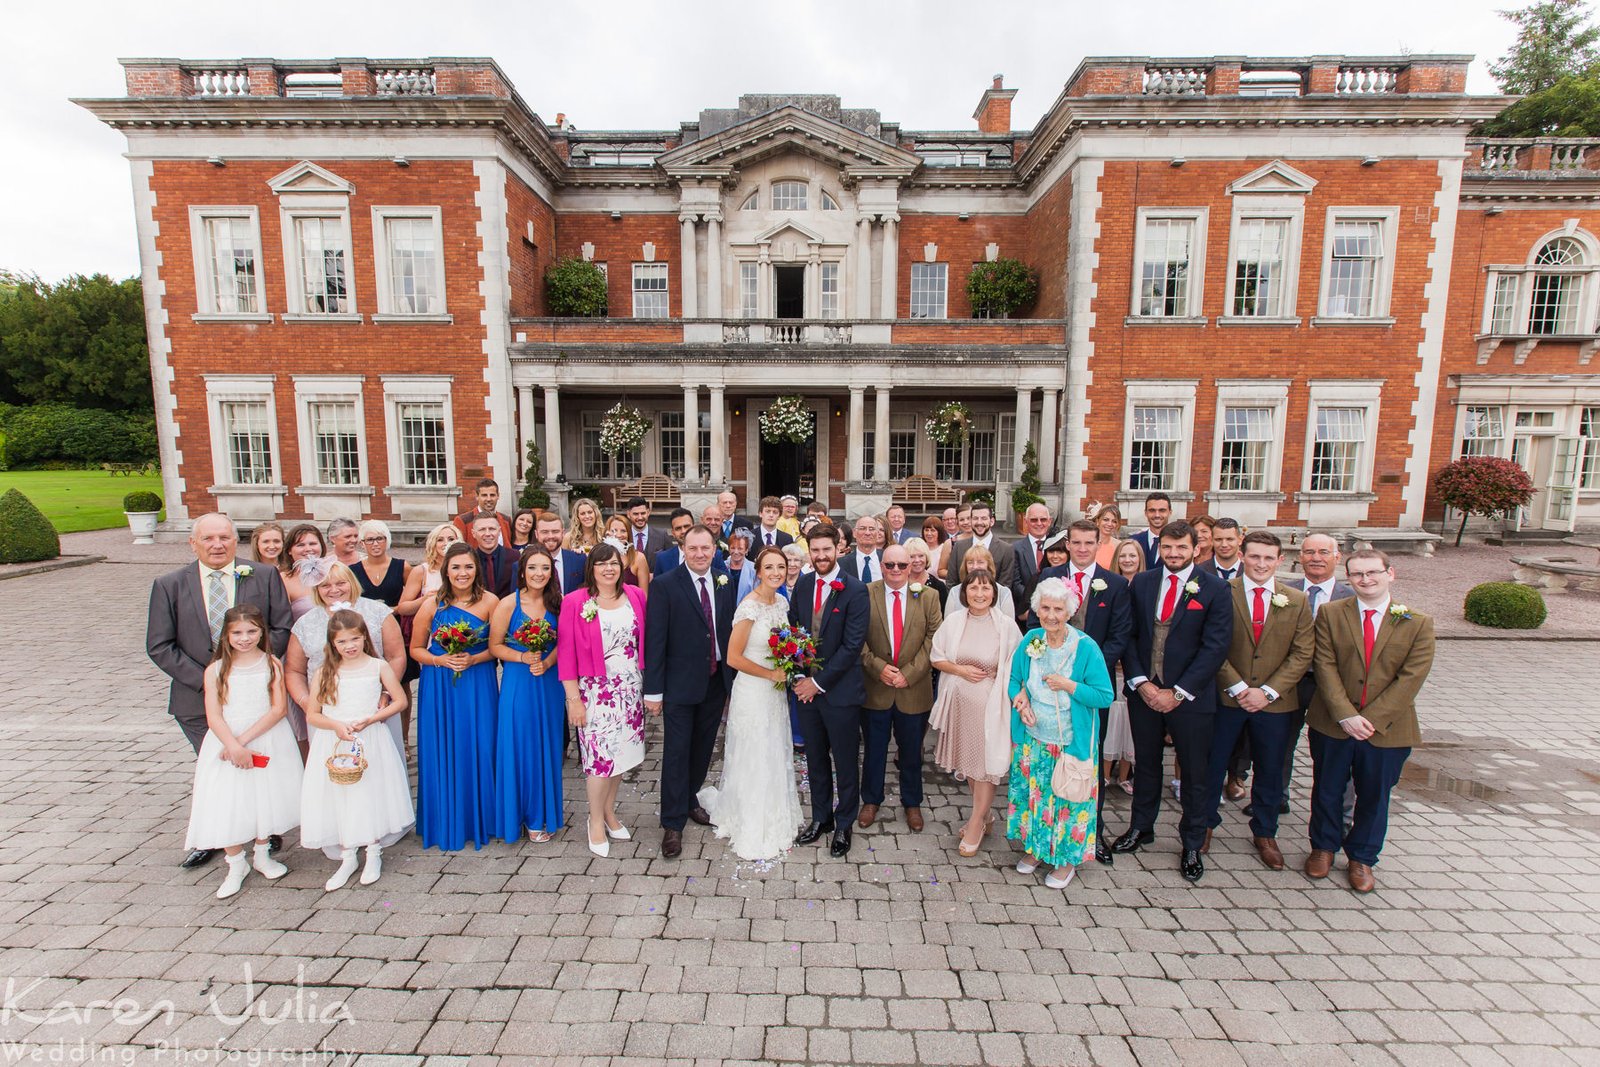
(580, 649)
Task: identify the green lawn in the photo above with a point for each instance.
(79, 500)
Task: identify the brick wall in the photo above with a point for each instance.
(1049, 222)
(961, 244)
(529, 259)
(619, 244)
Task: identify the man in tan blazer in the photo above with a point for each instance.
(896, 667)
(1258, 688)
(1373, 654)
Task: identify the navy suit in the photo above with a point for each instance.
(499, 569)
(572, 566)
(678, 655)
(1197, 643)
(1308, 686)
(850, 563)
(758, 539)
(831, 721)
(672, 557)
(1151, 545)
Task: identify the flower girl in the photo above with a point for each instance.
(356, 794)
(247, 775)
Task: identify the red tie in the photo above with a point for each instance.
(1077, 580)
(817, 608)
(1258, 614)
(899, 625)
(1170, 601)
(1369, 637)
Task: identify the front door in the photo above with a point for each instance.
(790, 468)
(790, 302)
(1534, 454)
(1561, 505)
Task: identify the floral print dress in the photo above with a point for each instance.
(612, 741)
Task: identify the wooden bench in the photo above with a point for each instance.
(1555, 573)
(921, 494)
(657, 490)
(129, 469)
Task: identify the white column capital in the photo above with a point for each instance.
(688, 219)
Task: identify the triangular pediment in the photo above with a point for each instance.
(1275, 177)
(801, 232)
(789, 129)
(306, 177)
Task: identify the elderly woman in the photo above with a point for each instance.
(333, 586)
(922, 557)
(380, 575)
(344, 538)
(972, 650)
(796, 556)
(1107, 518)
(1058, 684)
(977, 559)
(789, 515)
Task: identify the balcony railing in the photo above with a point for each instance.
(787, 332)
(233, 79)
(1543, 155)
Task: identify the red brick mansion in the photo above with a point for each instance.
(1281, 289)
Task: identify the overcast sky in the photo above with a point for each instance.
(65, 200)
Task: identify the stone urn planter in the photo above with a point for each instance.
(142, 510)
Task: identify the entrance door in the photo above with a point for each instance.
(1561, 507)
(1535, 455)
(790, 468)
(790, 301)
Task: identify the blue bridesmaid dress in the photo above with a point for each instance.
(528, 744)
(455, 746)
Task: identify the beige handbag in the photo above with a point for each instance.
(1073, 779)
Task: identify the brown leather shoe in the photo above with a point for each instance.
(1235, 789)
(1271, 855)
(1205, 846)
(1319, 863)
(671, 843)
(914, 818)
(1360, 875)
(869, 812)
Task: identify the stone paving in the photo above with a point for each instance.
(1480, 947)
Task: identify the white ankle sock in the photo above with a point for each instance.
(263, 862)
(374, 868)
(347, 867)
(238, 871)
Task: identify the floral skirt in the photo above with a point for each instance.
(1049, 828)
(612, 741)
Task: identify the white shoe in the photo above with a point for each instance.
(603, 849)
(238, 871)
(619, 834)
(347, 867)
(1055, 880)
(1027, 865)
(265, 865)
(374, 868)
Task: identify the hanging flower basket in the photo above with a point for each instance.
(787, 421)
(622, 429)
(948, 424)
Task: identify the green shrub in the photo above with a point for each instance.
(534, 494)
(997, 289)
(141, 501)
(575, 287)
(46, 434)
(1505, 606)
(25, 534)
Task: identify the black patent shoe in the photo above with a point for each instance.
(199, 858)
(1102, 853)
(813, 831)
(1133, 840)
(1192, 866)
(840, 846)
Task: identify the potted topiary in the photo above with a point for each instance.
(142, 509)
(1026, 492)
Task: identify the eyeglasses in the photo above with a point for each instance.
(896, 566)
(374, 540)
(1357, 576)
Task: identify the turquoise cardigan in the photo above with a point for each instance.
(1093, 692)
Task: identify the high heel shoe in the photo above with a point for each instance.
(603, 849)
(619, 834)
(971, 850)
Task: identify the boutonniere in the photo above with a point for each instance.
(1098, 585)
(243, 570)
(1399, 611)
(836, 585)
(583, 550)
(722, 580)
(1191, 587)
(590, 611)
(916, 590)
(1279, 600)
(1035, 648)
(722, 546)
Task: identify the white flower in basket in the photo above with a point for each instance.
(622, 429)
(787, 421)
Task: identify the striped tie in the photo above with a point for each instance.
(216, 606)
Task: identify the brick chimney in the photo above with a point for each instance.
(994, 109)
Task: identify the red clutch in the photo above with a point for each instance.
(258, 759)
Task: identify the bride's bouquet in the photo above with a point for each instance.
(794, 652)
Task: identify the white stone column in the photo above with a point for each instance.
(1048, 445)
(891, 266)
(714, 266)
(854, 458)
(863, 308)
(764, 283)
(552, 431)
(719, 437)
(525, 426)
(691, 433)
(691, 276)
(880, 438)
(1024, 427)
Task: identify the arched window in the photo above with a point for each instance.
(829, 203)
(1556, 292)
(751, 202)
(788, 196)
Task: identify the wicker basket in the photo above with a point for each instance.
(345, 771)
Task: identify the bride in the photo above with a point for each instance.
(757, 807)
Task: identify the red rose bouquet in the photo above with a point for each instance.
(794, 652)
(459, 636)
(535, 635)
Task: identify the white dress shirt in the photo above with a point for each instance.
(1322, 598)
(1161, 595)
(230, 582)
(1250, 588)
(1234, 571)
(710, 580)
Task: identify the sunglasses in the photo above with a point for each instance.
(896, 566)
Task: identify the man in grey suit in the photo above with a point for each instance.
(186, 609)
(1005, 561)
(648, 540)
(1027, 554)
(1319, 560)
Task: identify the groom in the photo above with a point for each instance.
(832, 605)
(688, 617)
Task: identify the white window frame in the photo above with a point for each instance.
(651, 269)
(248, 389)
(943, 290)
(830, 304)
(329, 389)
(1388, 219)
(1527, 274)
(294, 264)
(1502, 447)
(1294, 216)
(1143, 394)
(418, 389)
(388, 310)
(805, 194)
(749, 297)
(1589, 465)
(1194, 308)
(1343, 394)
(200, 218)
(1272, 395)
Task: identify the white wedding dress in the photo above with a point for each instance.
(757, 806)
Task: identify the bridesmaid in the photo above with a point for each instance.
(456, 702)
(531, 734)
(422, 581)
(601, 656)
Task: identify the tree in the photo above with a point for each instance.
(81, 342)
(1482, 485)
(534, 494)
(1569, 108)
(575, 287)
(1553, 42)
(1026, 491)
(996, 289)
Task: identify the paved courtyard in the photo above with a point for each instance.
(1481, 946)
